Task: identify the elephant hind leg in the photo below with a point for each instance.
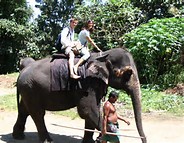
(38, 118)
(18, 129)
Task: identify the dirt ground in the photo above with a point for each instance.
(158, 127)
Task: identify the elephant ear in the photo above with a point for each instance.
(96, 69)
(102, 58)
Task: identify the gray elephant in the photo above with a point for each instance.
(115, 68)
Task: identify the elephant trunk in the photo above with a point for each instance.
(136, 101)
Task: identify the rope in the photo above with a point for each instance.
(95, 131)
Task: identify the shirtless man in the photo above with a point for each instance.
(110, 119)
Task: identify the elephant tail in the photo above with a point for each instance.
(18, 98)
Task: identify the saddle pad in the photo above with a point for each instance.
(59, 74)
(60, 79)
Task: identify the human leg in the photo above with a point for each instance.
(75, 68)
(85, 55)
(71, 63)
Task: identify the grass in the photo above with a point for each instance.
(13, 74)
(72, 113)
(8, 102)
(152, 101)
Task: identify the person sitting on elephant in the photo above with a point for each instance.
(110, 119)
(84, 38)
(67, 41)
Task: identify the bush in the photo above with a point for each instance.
(156, 48)
(111, 21)
(154, 101)
(16, 41)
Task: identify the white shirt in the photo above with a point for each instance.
(67, 36)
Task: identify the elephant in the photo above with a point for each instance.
(115, 68)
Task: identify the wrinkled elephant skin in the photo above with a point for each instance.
(114, 68)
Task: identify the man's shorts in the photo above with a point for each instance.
(112, 138)
(68, 50)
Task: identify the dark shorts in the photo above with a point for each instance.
(113, 128)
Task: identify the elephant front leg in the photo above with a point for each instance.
(38, 119)
(88, 136)
(18, 129)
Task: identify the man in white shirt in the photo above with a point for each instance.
(67, 41)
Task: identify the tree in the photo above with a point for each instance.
(54, 16)
(15, 34)
(17, 11)
(112, 20)
(159, 8)
(156, 48)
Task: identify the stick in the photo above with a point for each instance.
(95, 131)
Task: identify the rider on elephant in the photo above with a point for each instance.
(67, 41)
(84, 38)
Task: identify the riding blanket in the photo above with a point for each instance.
(60, 75)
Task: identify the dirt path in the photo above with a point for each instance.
(158, 129)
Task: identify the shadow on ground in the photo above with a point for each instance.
(32, 137)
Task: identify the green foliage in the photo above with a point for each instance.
(123, 97)
(8, 102)
(72, 113)
(155, 101)
(180, 77)
(156, 48)
(15, 40)
(16, 10)
(112, 20)
(16, 34)
(159, 8)
(54, 16)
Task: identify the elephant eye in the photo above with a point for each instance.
(117, 72)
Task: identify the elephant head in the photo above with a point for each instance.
(25, 62)
(117, 68)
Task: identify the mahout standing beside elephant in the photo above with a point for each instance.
(115, 68)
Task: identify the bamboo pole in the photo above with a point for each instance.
(95, 131)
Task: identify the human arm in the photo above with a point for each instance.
(122, 119)
(106, 110)
(93, 43)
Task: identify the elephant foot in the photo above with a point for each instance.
(88, 141)
(98, 140)
(18, 136)
(48, 141)
(18, 132)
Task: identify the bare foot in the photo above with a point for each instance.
(74, 76)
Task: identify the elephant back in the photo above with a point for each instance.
(60, 75)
